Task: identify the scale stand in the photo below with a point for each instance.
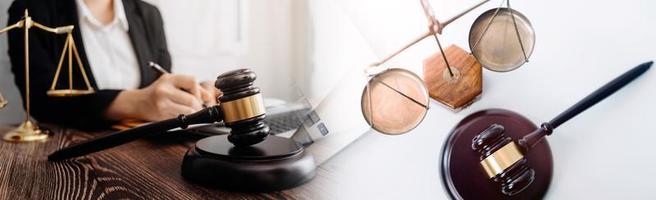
(29, 131)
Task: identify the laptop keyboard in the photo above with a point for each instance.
(284, 122)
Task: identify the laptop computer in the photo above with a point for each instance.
(335, 121)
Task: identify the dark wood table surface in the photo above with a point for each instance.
(144, 169)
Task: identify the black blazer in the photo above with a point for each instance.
(86, 112)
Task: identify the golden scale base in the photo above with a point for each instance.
(28, 131)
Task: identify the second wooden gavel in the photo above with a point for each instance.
(503, 159)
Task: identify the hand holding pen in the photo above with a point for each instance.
(208, 96)
(168, 96)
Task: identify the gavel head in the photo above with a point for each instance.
(502, 160)
(242, 107)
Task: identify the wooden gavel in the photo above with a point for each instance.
(242, 110)
(503, 159)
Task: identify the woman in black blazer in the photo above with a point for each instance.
(158, 96)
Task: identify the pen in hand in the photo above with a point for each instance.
(161, 70)
(157, 67)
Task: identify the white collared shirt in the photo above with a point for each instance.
(108, 47)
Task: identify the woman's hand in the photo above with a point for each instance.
(211, 93)
(167, 97)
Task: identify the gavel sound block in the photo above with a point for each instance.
(247, 159)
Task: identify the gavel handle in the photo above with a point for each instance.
(600, 94)
(207, 115)
(530, 140)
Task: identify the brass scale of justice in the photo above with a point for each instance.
(452, 76)
(28, 130)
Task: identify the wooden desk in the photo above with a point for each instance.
(144, 169)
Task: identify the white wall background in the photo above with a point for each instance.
(209, 37)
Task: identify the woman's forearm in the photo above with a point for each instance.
(125, 106)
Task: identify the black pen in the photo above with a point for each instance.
(158, 68)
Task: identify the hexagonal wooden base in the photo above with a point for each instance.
(460, 91)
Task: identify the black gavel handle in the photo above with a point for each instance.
(207, 115)
(600, 94)
(529, 141)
